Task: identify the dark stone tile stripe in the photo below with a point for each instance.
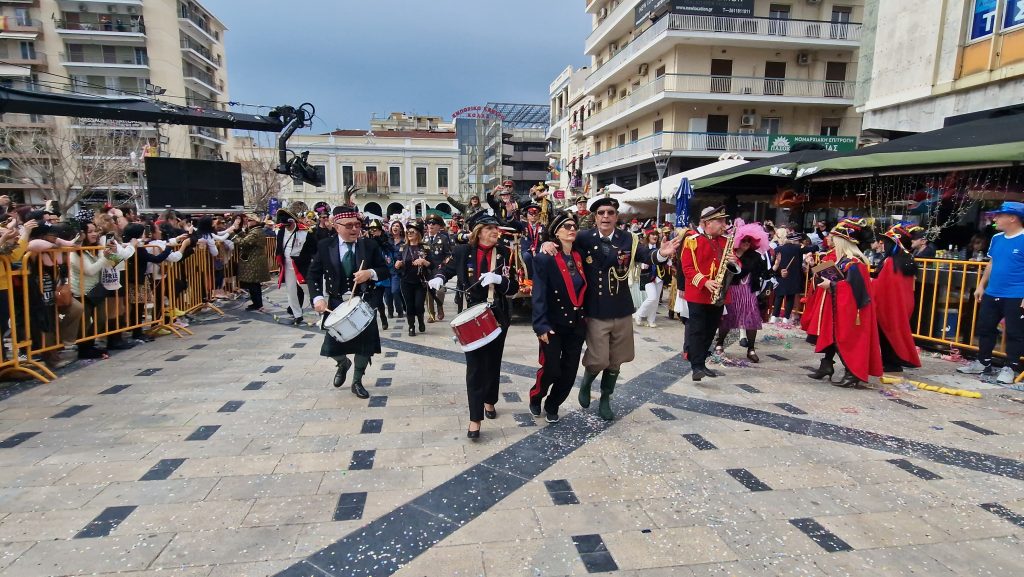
(309, 336)
(991, 464)
(525, 419)
(777, 357)
(594, 554)
(390, 354)
(231, 329)
(748, 480)
(362, 460)
(254, 386)
(273, 369)
(231, 406)
(907, 404)
(387, 366)
(70, 411)
(215, 338)
(383, 382)
(350, 507)
(1006, 514)
(973, 427)
(114, 390)
(914, 470)
(749, 388)
(105, 522)
(561, 492)
(286, 356)
(791, 409)
(825, 539)
(298, 345)
(175, 358)
(663, 414)
(162, 470)
(196, 347)
(512, 397)
(505, 379)
(378, 401)
(17, 439)
(372, 426)
(203, 433)
(382, 546)
(148, 372)
(700, 442)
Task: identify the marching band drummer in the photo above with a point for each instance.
(341, 264)
(483, 265)
(558, 290)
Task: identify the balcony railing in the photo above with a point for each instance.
(125, 58)
(609, 22)
(770, 88)
(131, 27)
(33, 57)
(204, 52)
(684, 142)
(211, 133)
(198, 22)
(767, 28)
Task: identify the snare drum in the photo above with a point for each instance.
(476, 327)
(349, 320)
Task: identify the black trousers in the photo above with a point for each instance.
(790, 301)
(255, 290)
(993, 310)
(559, 362)
(483, 371)
(700, 332)
(414, 295)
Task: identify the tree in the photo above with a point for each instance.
(68, 163)
(259, 181)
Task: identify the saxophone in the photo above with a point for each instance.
(725, 273)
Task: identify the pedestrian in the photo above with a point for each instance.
(557, 298)
(341, 267)
(253, 268)
(484, 266)
(1001, 292)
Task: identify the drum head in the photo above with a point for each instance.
(468, 314)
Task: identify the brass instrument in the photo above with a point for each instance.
(726, 270)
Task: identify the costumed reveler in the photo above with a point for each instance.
(652, 278)
(810, 320)
(375, 232)
(894, 301)
(293, 257)
(343, 266)
(558, 291)
(483, 266)
(439, 250)
(848, 326)
(414, 271)
(744, 312)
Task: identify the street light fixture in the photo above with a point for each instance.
(661, 158)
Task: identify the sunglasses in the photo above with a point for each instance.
(352, 225)
(606, 213)
(568, 226)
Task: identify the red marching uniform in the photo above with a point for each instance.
(700, 261)
(847, 320)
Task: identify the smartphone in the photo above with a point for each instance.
(149, 230)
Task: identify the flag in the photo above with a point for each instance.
(683, 196)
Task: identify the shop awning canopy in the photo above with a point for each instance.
(761, 175)
(644, 200)
(987, 142)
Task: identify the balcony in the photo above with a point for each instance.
(105, 30)
(203, 81)
(32, 58)
(196, 25)
(708, 88)
(17, 26)
(208, 136)
(717, 30)
(619, 21)
(19, 120)
(697, 144)
(200, 54)
(85, 62)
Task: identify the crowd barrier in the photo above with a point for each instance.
(148, 302)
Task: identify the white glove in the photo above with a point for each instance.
(435, 283)
(489, 278)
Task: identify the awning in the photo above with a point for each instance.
(761, 176)
(644, 200)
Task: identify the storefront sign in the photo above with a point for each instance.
(728, 8)
(559, 194)
(785, 142)
(1014, 15)
(480, 112)
(983, 20)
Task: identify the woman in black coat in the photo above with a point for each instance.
(412, 264)
(483, 266)
(789, 271)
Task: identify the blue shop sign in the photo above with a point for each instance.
(1014, 15)
(983, 21)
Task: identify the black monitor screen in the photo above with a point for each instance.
(187, 183)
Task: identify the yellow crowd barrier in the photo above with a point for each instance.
(148, 301)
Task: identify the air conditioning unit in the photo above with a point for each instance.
(803, 59)
(748, 120)
(611, 91)
(643, 69)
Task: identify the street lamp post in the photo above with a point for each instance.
(661, 158)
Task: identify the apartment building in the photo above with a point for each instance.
(169, 49)
(943, 58)
(566, 144)
(503, 141)
(705, 77)
(395, 170)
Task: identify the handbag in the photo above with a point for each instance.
(63, 296)
(97, 294)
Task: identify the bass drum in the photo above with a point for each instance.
(349, 320)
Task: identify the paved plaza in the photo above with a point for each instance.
(228, 454)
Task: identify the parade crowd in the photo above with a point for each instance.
(589, 278)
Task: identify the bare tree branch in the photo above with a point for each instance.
(259, 181)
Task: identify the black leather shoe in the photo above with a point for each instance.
(473, 434)
(710, 373)
(359, 391)
(698, 374)
(412, 331)
(535, 409)
(383, 323)
(423, 327)
(342, 372)
(492, 414)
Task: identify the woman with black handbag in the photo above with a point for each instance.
(84, 274)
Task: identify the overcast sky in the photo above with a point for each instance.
(353, 58)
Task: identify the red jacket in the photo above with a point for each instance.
(701, 258)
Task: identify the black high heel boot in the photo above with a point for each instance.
(423, 326)
(850, 381)
(825, 369)
(412, 326)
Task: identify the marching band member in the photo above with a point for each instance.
(744, 312)
(541, 196)
(584, 217)
(439, 250)
(414, 270)
(531, 238)
(894, 300)
(848, 324)
(293, 257)
(701, 260)
(608, 255)
(340, 266)
(652, 278)
(483, 267)
(375, 232)
(558, 290)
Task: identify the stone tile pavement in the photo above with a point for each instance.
(239, 458)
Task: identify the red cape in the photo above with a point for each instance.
(893, 295)
(853, 330)
(810, 320)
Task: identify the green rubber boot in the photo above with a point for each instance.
(588, 379)
(607, 388)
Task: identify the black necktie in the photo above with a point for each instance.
(348, 262)
(606, 246)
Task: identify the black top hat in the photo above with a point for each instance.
(283, 216)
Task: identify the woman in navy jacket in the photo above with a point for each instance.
(558, 289)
